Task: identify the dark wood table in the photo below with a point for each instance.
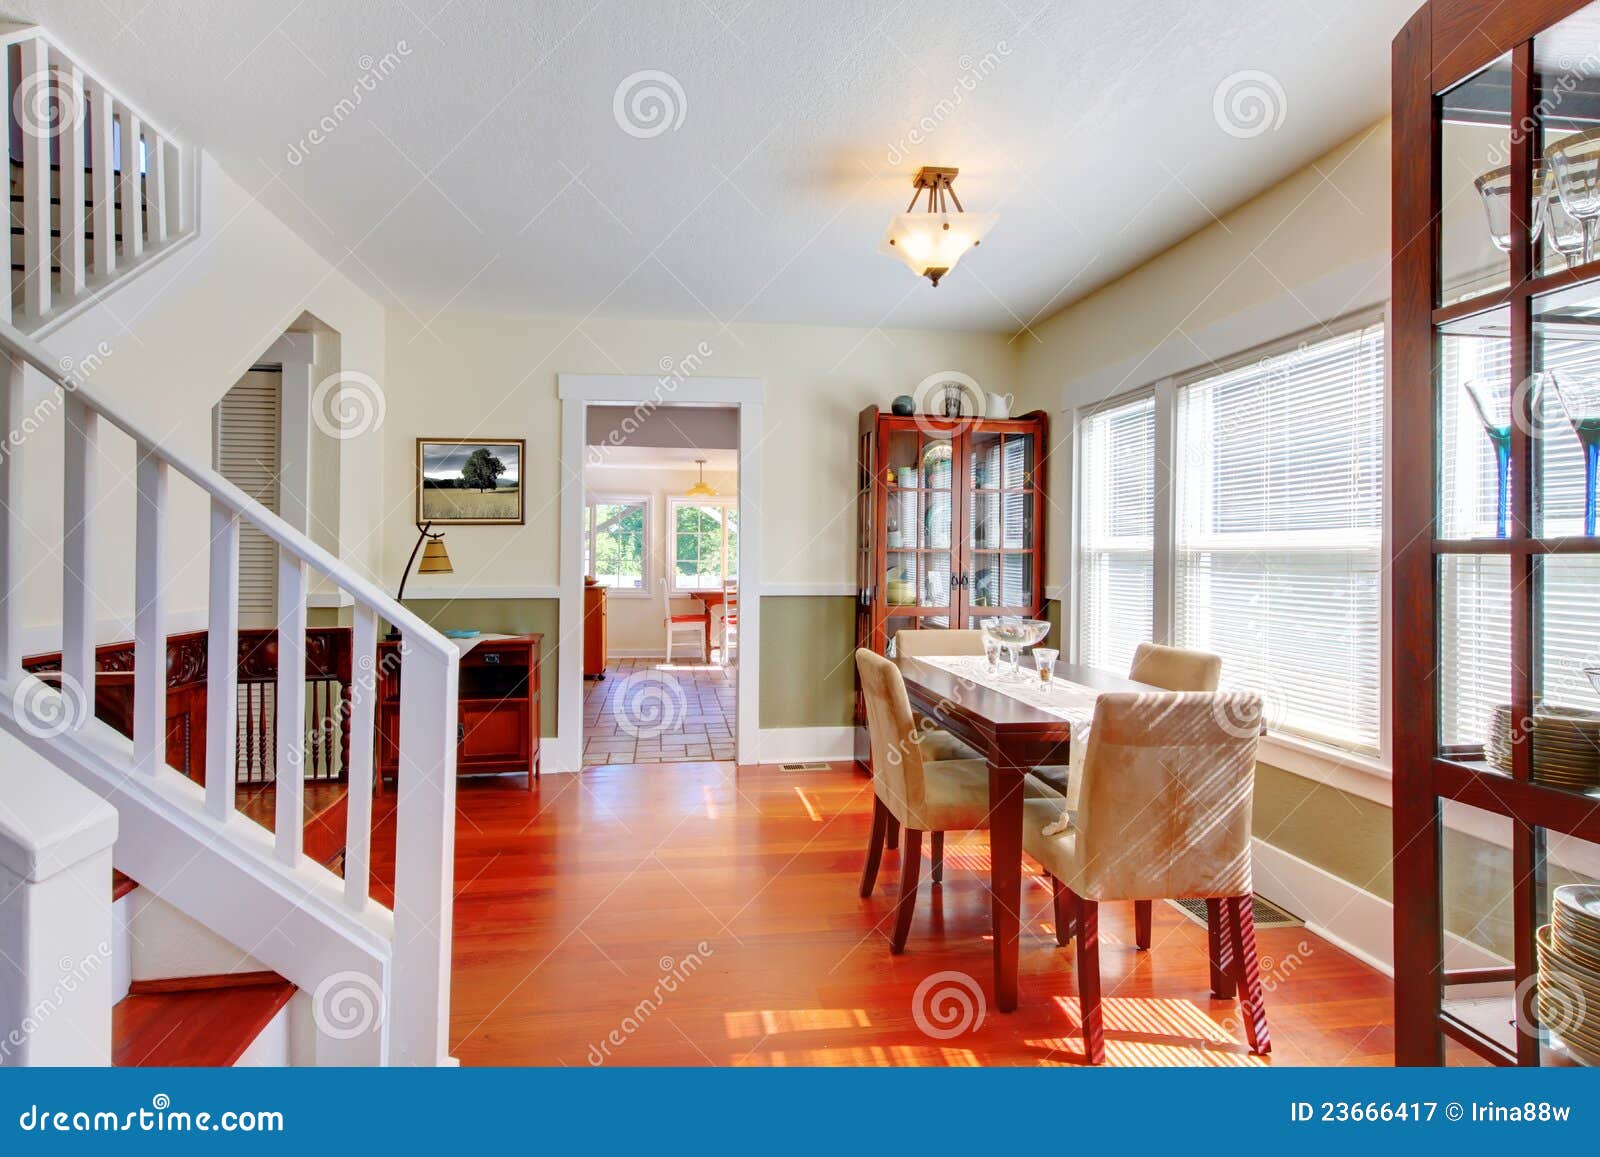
(1014, 737)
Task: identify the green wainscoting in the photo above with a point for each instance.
(808, 661)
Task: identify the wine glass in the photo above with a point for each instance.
(1575, 161)
(1580, 398)
(1495, 414)
(1564, 231)
(1494, 188)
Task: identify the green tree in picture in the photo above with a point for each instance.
(482, 470)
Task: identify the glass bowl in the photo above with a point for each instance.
(1010, 632)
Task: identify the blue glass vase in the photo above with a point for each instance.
(1580, 398)
(1498, 428)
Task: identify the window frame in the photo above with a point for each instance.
(646, 588)
(1277, 747)
(675, 503)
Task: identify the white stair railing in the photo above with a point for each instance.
(99, 190)
(411, 959)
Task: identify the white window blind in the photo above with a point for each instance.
(1278, 532)
(246, 453)
(1116, 540)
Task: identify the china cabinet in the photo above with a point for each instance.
(950, 522)
(1495, 423)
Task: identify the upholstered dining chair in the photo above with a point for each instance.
(1164, 813)
(919, 793)
(1171, 669)
(686, 625)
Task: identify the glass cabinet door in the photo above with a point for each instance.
(1001, 537)
(920, 530)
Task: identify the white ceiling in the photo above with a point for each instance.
(488, 168)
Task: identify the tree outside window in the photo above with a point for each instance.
(704, 544)
(616, 543)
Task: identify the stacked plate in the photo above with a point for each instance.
(1569, 971)
(1566, 746)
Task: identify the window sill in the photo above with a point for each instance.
(623, 592)
(1361, 775)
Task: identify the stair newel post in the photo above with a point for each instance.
(365, 680)
(222, 663)
(150, 614)
(419, 1008)
(289, 767)
(102, 174)
(11, 409)
(78, 493)
(69, 86)
(36, 137)
(131, 189)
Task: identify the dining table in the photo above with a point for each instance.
(1014, 737)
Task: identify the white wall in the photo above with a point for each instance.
(1306, 251)
(164, 348)
(475, 374)
(633, 623)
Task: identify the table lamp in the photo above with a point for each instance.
(435, 560)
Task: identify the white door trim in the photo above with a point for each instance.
(577, 392)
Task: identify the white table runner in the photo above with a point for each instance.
(1060, 697)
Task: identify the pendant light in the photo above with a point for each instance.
(700, 489)
(931, 242)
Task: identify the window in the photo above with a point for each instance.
(703, 541)
(616, 538)
(1116, 560)
(1277, 532)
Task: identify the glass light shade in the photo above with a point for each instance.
(701, 489)
(935, 241)
(435, 560)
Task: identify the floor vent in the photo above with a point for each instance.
(814, 766)
(1268, 914)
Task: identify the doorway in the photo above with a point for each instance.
(659, 507)
(661, 593)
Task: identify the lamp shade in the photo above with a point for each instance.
(435, 560)
(931, 243)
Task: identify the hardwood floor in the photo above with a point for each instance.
(711, 916)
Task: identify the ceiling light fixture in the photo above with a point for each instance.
(931, 242)
(700, 489)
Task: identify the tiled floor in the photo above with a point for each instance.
(649, 711)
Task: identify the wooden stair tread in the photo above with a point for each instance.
(204, 1027)
(121, 885)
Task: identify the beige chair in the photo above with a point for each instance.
(936, 742)
(1174, 669)
(918, 793)
(1164, 813)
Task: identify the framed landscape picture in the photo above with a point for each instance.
(470, 481)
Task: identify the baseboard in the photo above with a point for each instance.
(1350, 918)
(801, 744)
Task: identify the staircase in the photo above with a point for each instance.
(274, 879)
(98, 192)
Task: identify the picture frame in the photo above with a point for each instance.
(471, 481)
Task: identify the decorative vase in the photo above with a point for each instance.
(1499, 431)
(1580, 398)
(903, 406)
